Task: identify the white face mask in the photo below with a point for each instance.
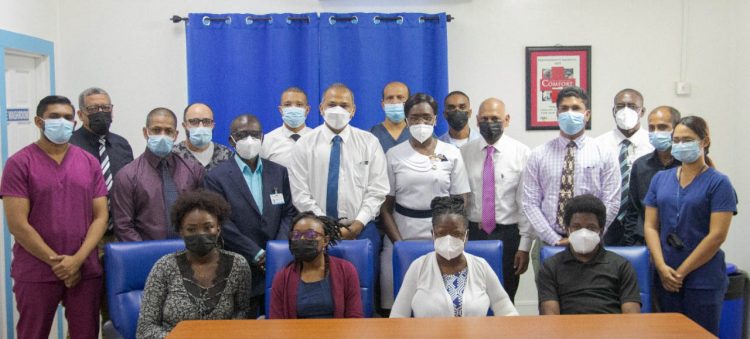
(421, 132)
(336, 117)
(626, 118)
(584, 241)
(449, 247)
(247, 148)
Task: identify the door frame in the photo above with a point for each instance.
(25, 44)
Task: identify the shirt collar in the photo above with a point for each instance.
(93, 137)
(580, 141)
(345, 133)
(286, 132)
(653, 160)
(498, 144)
(620, 137)
(154, 161)
(600, 258)
(241, 163)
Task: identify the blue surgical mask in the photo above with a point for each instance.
(394, 112)
(58, 130)
(660, 140)
(686, 152)
(571, 122)
(293, 116)
(200, 136)
(160, 145)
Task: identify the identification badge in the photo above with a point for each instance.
(277, 199)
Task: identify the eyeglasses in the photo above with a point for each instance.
(197, 122)
(420, 119)
(307, 235)
(239, 135)
(98, 108)
(631, 106)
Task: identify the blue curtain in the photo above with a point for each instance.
(365, 51)
(241, 63)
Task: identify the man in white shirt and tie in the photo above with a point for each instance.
(279, 143)
(569, 165)
(339, 170)
(627, 142)
(495, 163)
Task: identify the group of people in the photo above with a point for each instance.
(74, 189)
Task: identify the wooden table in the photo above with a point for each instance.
(639, 326)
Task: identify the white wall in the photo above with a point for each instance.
(132, 50)
(735, 121)
(37, 18)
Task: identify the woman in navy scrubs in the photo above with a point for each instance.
(688, 212)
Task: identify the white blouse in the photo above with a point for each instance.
(423, 292)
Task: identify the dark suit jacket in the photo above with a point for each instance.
(248, 229)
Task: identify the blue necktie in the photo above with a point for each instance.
(332, 195)
(169, 189)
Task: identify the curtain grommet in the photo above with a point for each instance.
(400, 20)
(206, 21)
(331, 20)
(376, 20)
(421, 19)
(248, 20)
(228, 20)
(355, 20)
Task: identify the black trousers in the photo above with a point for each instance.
(510, 237)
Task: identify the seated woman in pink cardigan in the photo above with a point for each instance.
(315, 285)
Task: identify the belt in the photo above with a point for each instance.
(408, 212)
(476, 224)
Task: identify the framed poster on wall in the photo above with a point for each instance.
(549, 70)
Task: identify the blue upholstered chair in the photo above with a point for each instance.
(405, 252)
(639, 258)
(359, 252)
(127, 265)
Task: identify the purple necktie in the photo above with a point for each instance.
(488, 192)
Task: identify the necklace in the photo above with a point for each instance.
(679, 174)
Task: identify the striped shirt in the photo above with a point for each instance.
(596, 172)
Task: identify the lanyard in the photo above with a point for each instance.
(679, 191)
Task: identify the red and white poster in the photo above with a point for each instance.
(549, 70)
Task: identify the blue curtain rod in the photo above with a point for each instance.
(177, 18)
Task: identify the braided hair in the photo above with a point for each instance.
(443, 206)
(331, 228)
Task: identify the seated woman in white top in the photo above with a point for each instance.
(449, 282)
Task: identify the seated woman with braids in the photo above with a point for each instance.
(202, 282)
(450, 282)
(315, 285)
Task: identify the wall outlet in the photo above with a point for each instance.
(682, 88)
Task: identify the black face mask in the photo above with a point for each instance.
(304, 250)
(201, 244)
(457, 119)
(99, 122)
(491, 130)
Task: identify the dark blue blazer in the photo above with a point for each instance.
(248, 229)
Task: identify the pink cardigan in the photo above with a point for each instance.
(347, 302)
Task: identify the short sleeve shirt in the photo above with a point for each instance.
(416, 179)
(600, 285)
(61, 208)
(687, 212)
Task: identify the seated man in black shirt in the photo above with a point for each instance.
(586, 278)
